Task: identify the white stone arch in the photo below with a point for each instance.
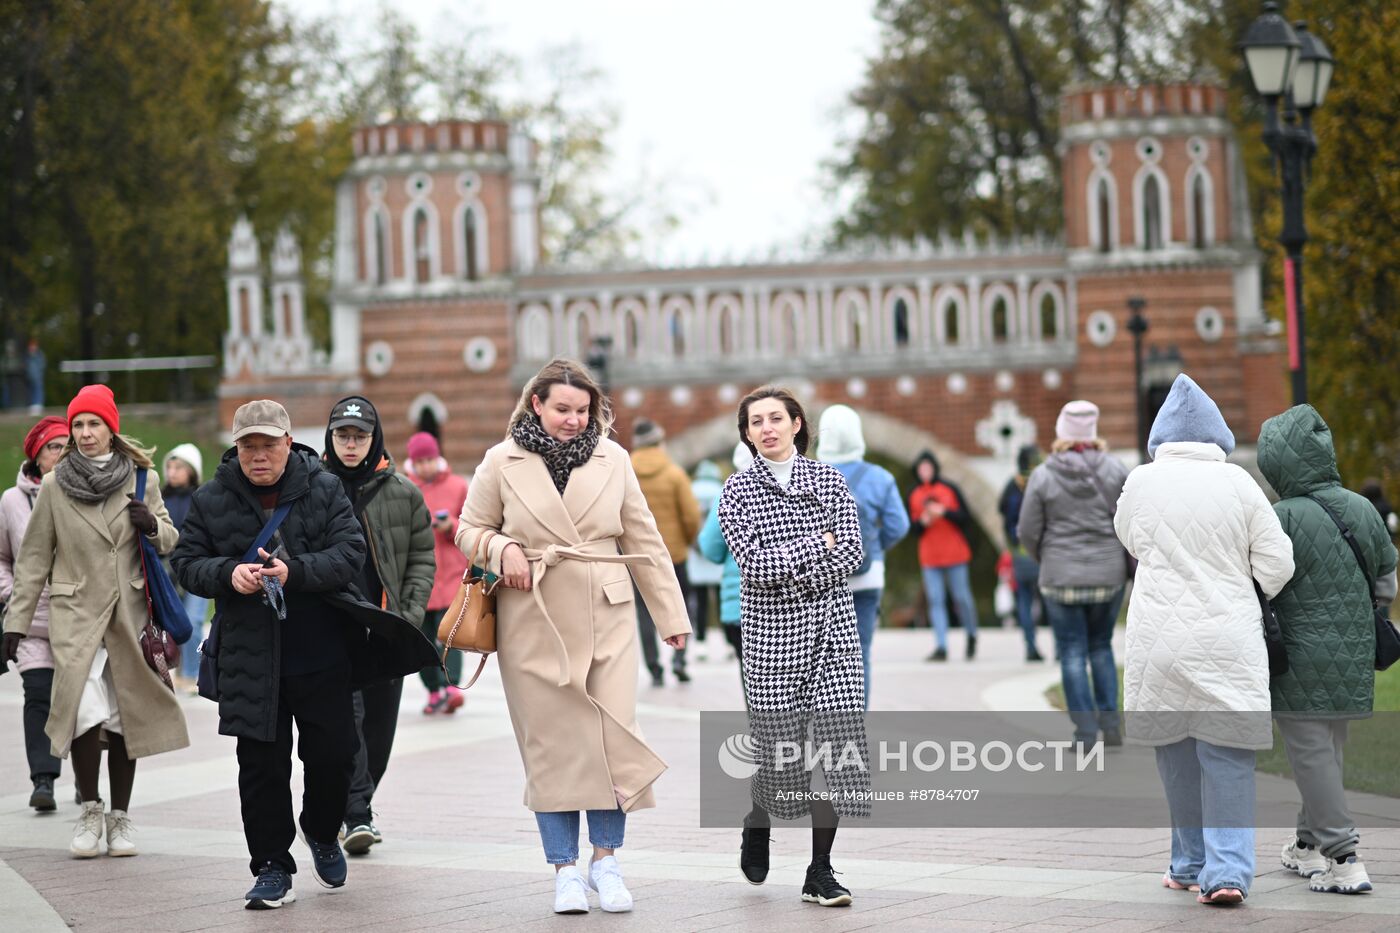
(1164, 192)
(575, 314)
(950, 297)
(789, 324)
(630, 327)
(430, 402)
(850, 307)
(533, 329)
(913, 319)
(434, 244)
(374, 245)
(459, 237)
(1039, 293)
(679, 335)
(1200, 173)
(990, 296)
(726, 309)
(1101, 176)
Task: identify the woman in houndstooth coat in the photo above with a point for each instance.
(791, 525)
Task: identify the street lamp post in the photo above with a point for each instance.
(1291, 69)
(1137, 326)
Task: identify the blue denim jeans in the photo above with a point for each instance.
(195, 607)
(867, 620)
(1084, 634)
(1027, 574)
(938, 583)
(1210, 791)
(559, 832)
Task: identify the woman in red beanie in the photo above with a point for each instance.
(42, 447)
(82, 540)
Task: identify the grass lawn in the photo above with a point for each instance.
(1373, 745)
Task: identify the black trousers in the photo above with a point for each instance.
(38, 688)
(321, 705)
(376, 719)
(646, 628)
(701, 598)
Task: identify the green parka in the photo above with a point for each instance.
(1324, 611)
(399, 532)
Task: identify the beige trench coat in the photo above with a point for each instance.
(568, 649)
(97, 596)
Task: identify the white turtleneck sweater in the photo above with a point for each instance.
(782, 472)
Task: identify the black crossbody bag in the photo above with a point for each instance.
(1387, 638)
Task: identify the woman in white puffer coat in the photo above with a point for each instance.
(1196, 681)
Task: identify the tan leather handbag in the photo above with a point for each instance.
(470, 622)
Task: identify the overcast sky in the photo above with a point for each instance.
(733, 104)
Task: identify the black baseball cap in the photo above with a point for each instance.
(354, 412)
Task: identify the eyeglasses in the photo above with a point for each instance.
(350, 440)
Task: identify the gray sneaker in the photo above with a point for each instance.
(1305, 861)
(1348, 877)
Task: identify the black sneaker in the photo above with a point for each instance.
(681, 675)
(359, 836)
(1112, 738)
(753, 853)
(42, 799)
(327, 861)
(971, 647)
(658, 678)
(821, 886)
(939, 654)
(1034, 655)
(272, 890)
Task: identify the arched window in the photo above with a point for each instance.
(675, 334)
(287, 315)
(1103, 203)
(950, 324)
(422, 257)
(381, 251)
(1049, 319)
(1198, 212)
(901, 323)
(245, 311)
(1151, 213)
(470, 271)
(1001, 320)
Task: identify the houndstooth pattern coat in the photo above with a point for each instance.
(802, 657)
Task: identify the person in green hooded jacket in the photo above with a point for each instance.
(1328, 626)
(397, 575)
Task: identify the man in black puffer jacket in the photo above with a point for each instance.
(299, 660)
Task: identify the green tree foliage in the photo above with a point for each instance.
(132, 135)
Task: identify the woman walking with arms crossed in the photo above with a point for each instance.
(792, 526)
(557, 512)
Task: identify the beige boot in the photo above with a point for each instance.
(119, 833)
(88, 831)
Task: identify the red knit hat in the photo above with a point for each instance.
(423, 446)
(49, 427)
(97, 400)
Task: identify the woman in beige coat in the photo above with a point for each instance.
(567, 520)
(82, 539)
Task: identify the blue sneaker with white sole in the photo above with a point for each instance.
(327, 861)
(272, 890)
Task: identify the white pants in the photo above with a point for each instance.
(98, 706)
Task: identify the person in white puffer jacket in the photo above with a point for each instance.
(1196, 681)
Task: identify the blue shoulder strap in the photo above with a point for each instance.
(141, 484)
(264, 536)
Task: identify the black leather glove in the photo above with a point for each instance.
(142, 517)
(10, 649)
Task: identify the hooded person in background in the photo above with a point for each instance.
(667, 491)
(938, 510)
(712, 545)
(705, 575)
(1326, 613)
(43, 445)
(183, 467)
(1024, 568)
(397, 575)
(883, 521)
(444, 492)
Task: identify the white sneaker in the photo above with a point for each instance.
(570, 891)
(119, 831)
(605, 877)
(1306, 862)
(88, 831)
(1347, 877)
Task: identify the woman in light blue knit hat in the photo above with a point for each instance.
(1196, 680)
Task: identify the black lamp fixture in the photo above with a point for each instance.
(1291, 69)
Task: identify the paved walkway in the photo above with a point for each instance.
(461, 853)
